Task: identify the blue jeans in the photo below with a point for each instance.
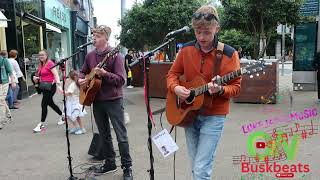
(12, 95)
(202, 138)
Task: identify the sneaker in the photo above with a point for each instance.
(73, 130)
(38, 128)
(127, 174)
(61, 121)
(130, 87)
(80, 131)
(106, 168)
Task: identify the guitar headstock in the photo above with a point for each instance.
(113, 52)
(254, 68)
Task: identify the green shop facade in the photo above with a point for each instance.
(42, 24)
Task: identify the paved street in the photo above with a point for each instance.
(28, 156)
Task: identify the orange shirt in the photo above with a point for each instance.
(188, 63)
(160, 56)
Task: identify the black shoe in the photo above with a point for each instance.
(127, 174)
(106, 168)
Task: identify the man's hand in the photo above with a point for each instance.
(100, 71)
(182, 92)
(213, 86)
(82, 81)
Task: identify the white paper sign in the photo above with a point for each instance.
(165, 143)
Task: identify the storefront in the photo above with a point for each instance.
(3, 25)
(26, 33)
(58, 32)
(80, 36)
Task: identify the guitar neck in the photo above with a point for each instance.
(224, 79)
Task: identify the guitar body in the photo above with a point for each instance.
(184, 114)
(88, 92)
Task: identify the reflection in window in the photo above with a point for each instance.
(29, 6)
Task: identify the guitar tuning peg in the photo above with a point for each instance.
(258, 74)
(251, 76)
(249, 72)
(263, 72)
(254, 70)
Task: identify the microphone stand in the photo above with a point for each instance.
(146, 60)
(61, 64)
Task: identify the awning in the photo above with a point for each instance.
(52, 28)
(3, 20)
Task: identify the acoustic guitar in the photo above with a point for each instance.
(183, 113)
(89, 90)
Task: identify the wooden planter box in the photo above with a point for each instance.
(260, 89)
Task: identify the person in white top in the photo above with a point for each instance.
(12, 91)
(18, 73)
(74, 109)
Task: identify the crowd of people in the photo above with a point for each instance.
(10, 82)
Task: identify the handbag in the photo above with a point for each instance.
(129, 74)
(45, 86)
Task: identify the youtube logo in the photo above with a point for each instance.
(260, 145)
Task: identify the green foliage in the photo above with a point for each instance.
(236, 39)
(259, 18)
(148, 23)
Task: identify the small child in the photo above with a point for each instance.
(74, 109)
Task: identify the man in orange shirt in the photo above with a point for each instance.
(198, 58)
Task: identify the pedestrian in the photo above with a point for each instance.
(201, 58)
(6, 73)
(128, 60)
(74, 109)
(13, 54)
(48, 80)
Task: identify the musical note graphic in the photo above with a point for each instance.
(304, 134)
(297, 127)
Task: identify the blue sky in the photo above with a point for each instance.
(108, 12)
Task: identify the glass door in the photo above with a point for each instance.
(32, 44)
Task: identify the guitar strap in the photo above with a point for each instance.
(219, 55)
(215, 72)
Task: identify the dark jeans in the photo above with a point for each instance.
(113, 110)
(48, 101)
(19, 97)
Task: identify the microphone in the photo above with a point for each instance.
(86, 44)
(179, 31)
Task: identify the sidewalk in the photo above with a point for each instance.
(29, 156)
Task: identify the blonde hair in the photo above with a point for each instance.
(202, 22)
(103, 29)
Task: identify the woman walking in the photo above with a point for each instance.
(49, 79)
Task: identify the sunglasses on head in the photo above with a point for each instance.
(206, 16)
(101, 28)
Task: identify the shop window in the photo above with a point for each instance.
(29, 6)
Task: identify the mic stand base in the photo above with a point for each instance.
(72, 178)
